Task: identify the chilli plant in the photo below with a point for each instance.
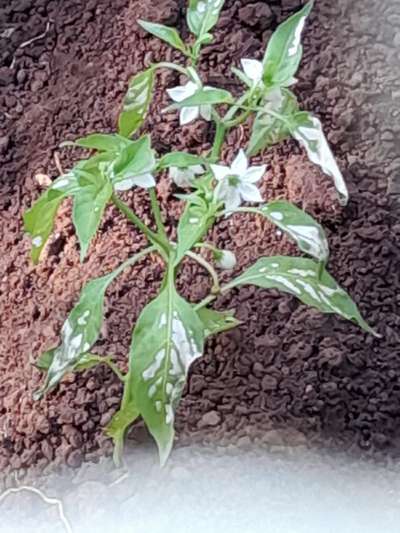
(170, 332)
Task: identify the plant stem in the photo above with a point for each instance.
(114, 368)
(130, 215)
(155, 206)
(210, 269)
(218, 140)
(172, 66)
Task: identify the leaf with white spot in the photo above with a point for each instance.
(86, 361)
(136, 103)
(216, 321)
(89, 205)
(166, 33)
(284, 51)
(204, 96)
(39, 219)
(202, 15)
(167, 338)
(79, 332)
(308, 234)
(194, 223)
(302, 278)
(307, 130)
(268, 130)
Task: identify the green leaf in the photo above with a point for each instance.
(118, 426)
(167, 34)
(204, 96)
(167, 338)
(283, 55)
(193, 224)
(80, 331)
(102, 142)
(39, 219)
(216, 322)
(89, 206)
(269, 130)
(180, 160)
(86, 361)
(308, 234)
(307, 130)
(136, 103)
(137, 158)
(302, 278)
(202, 15)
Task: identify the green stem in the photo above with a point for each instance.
(172, 66)
(218, 140)
(115, 369)
(155, 206)
(210, 269)
(130, 215)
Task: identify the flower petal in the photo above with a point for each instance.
(197, 169)
(188, 114)
(250, 193)
(220, 171)
(253, 69)
(144, 180)
(181, 177)
(179, 93)
(205, 112)
(240, 164)
(231, 198)
(254, 174)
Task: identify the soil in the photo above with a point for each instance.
(288, 375)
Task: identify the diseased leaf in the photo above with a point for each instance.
(284, 51)
(80, 331)
(216, 321)
(307, 130)
(86, 361)
(308, 234)
(180, 160)
(167, 338)
(167, 34)
(202, 15)
(136, 159)
(136, 103)
(102, 142)
(39, 219)
(205, 96)
(89, 206)
(193, 224)
(302, 278)
(268, 130)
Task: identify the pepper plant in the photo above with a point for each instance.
(170, 332)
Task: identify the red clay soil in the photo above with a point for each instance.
(288, 374)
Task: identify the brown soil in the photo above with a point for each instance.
(287, 374)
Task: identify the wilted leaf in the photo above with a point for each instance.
(284, 51)
(307, 130)
(308, 234)
(136, 103)
(301, 277)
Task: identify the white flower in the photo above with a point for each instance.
(227, 260)
(187, 114)
(236, 183)
(253, 70)
(183, 177)
(145, 180)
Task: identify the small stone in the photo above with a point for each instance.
(269, 383)
(4, 144)
(75, 458)
(212, 418)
